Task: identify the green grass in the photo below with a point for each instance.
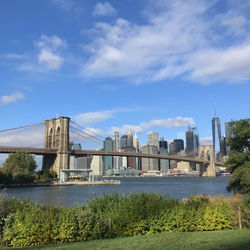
(189, 240)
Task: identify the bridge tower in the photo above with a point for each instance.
(207, 153)
(57, 137)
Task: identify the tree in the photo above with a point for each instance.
(20, 166)
(238, 163)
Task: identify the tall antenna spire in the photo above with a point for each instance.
(215, 110)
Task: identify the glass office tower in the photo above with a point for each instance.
(216, 131)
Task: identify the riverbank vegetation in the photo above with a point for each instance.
(25, 223)
(238, 162)
(19, 168)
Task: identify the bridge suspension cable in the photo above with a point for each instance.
(85, 137)
(27, 126)
(94, 133)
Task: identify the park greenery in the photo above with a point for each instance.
(238, 162)
(25, 223)
(19, 168)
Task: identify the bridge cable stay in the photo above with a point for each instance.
(85, 137)
(86, 134)
(80, 131)
(96, 134)
(11, 129)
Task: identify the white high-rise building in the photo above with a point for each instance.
(153, 139)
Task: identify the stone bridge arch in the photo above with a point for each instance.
(206, 152)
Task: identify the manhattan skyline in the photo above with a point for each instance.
(114, 66)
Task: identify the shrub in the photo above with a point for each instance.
(3, 212)
(246, 213)
(30, 224)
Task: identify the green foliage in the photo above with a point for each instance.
(27, 223)
(245, 208)
(192, 215)
(45, 175)
(18, 163)
(3, 212)
(241, 135)
(238, 163)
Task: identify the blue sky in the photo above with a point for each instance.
(145, 65)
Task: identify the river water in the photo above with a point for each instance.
(176, 187)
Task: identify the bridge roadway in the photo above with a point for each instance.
(46, 151)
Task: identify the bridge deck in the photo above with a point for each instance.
(45, 151)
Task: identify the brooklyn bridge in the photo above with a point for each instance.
(57, 151)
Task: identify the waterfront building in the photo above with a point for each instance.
(153, 139)
(216, 132)
(116, 149)
(97, 165)
(149, 164)
(107, 160)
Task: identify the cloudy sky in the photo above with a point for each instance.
(145, 65)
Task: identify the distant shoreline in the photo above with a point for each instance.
(56, 184)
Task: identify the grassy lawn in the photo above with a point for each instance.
(190, 240)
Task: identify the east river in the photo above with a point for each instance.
(176, 187)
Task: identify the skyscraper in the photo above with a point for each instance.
(130, 139)
(107, 160)
(192, 139)
(195, 138)
(216, 131)
(136, 143)
(153, 139)
(124, 141)
(163, 150)
(189, 141)
(149, 163)
(178, 145)
(163, 143)
(116, 149)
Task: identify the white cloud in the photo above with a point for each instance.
(7, 99)
(175, 122)
(30, 137)
(177, 40)
(206, 141)
(232, 64)
(51, 60)
(49, 55)
(99, 116)
(93, 117)
(50, 43)
(69, 6)
(104, 9)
